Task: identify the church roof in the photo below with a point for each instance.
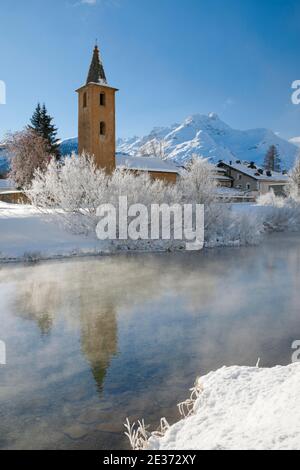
(96, 71)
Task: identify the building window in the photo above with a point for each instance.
(239, 177)
(84, 100)
(102, 128)
(248, 187)
(102, 99)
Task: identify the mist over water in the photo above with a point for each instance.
(92, 341)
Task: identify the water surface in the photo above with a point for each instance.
(92, 341)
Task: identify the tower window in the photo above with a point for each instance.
(84, 100)
(102, 128)
(102, 99)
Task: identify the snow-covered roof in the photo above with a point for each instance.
(146, 164)
(243, 167)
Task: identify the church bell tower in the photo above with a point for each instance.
(96, 116)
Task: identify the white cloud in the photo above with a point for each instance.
(89, 2)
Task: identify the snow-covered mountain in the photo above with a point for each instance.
(295, 141)
(204, 135)
(209, 136)
(68, 146)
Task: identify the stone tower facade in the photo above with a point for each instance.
(97, 116)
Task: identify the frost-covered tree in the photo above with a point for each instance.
(272, 160)
(222, 226)
(75, 189)
(294, 187)
(198, 183)
(155, 147)
(78, 187)
(42, 123)
(28, 152)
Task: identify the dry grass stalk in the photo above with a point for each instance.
(139, 436)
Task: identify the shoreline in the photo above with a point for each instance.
(26, 237)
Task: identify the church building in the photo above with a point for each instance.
(97, 128)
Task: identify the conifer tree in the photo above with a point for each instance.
(272, 160)
(41, 122)
(36, 120)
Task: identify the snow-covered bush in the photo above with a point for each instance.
(74, 189)
(293, 189)
(270, 199)
(280, 214)
(222, 226)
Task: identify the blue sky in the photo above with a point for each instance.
(169, 58)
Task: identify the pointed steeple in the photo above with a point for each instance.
(96, 72)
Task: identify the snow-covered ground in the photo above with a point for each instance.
(26, 235)
(241, 408)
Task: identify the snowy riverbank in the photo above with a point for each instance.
(26, 235)
(241, 408)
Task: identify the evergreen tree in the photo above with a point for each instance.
(41, 122)
(272, 160)
(36, 120)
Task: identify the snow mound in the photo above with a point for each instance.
(241, 408)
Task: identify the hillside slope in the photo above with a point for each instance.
(210, 137)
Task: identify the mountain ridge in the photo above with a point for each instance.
(210, 137)
(206, 136)
(203, 135)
